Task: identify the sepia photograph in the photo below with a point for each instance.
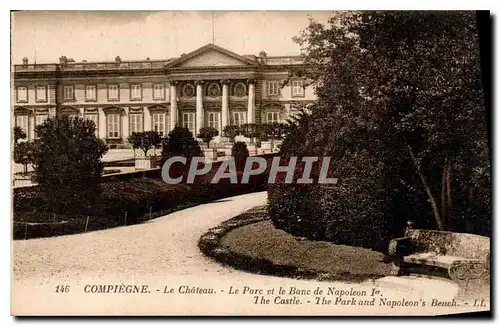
(250, 163)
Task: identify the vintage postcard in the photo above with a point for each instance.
(250, 163)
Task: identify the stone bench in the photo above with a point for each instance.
(462, 257)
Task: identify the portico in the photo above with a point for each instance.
(215, 103)
(215, 85)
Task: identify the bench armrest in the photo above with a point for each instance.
(466, 270)
(400, 247)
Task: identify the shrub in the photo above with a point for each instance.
(180, 142)
(144, 140)
(134, 198)
(240, 154)
(250, 130)
(24, 154)
(68, 166)
(352, 212)
(18, 134)
(207, 134)
(231, 132)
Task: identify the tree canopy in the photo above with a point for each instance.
(400, 107)
(68, 165)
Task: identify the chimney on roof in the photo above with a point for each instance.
(118, 59)
(63, 60)
(25, 61)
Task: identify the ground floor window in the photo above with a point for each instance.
(213, 120)
(93, 118)
(238, 118)
(40, 119)
(22, 121)
(158, 123)
(188, 121)
(272, 117)
(135, 121)
(114, 121)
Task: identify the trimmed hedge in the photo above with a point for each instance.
(124, 202)
(352, 212)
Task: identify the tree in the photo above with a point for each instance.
(145, 140)
(401, 112)
(18, 134)
(231, 132)
(68, 165)
(250, 130)
(273, 131)
(181, 142)
(294, 133)
(207, 134)
(135, 141)
(24, 154)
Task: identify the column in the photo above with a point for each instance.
(225, 104)
(251, 101)
(30, 133)
(199, 106)
(147, 119)
(102, 123)
(173, 104)
(126, 124)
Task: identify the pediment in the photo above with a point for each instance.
(211, 56)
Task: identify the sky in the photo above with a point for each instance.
(137, 35)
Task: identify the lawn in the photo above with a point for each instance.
(262, 241)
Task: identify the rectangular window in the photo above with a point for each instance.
(112, 92)
(213, 120)
(40, 119)
(135, 122)
(272, 88)
(113, 125)
(41, 94)
(158, 123)
(158, 92)
(238, 118)
(188, 121)
(297, 88)
(69, 92)
(22, 94)
(90, 93)
(22, 122)
(135, 92)
(272, 117)
(93, 118)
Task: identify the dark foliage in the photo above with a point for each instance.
(231, 131)
(145, 140)
(207, 134)
(24, 154)
(123, 203)
(18, 134)
(180, 142)
(67, 162)
(400, 111)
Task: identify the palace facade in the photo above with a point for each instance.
(210, 86)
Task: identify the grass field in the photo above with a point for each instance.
(263, 241)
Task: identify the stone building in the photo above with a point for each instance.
(210, 86)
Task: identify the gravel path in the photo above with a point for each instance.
(163, 253)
